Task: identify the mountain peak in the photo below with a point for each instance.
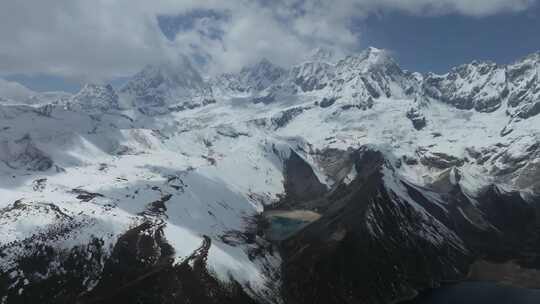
(370, 59)
(163, 77)
(175, 73)
(260, 75)
(95, 87)
(372, 49)
(532, 58)
(96, 96)
(171, 86)
(377, 56)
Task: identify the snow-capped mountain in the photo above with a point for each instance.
(523, 80)
(485, 86)
(95, 97)
(167, 87)
(250, 80)
(481, 86)
(168, 190)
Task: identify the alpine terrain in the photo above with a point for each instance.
(337, 180)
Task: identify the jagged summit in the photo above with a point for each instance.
(523, 79)
(260, 75)
(533, 57)
(95, 97)
(165, 75)
(369, 59)
(161, 88)
(478, 85)
(360, 78)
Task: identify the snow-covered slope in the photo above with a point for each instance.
(14, 93)
(186, 164)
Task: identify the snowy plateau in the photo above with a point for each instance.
(156, 192)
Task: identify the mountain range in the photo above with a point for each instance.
(336, 180)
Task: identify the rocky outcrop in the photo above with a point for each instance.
(23, 154)
(140, 269)
(301, 183)
(283, 118)
(438, 160)
(524, 79)
(417, 118)
(372, 245)
(382, 239)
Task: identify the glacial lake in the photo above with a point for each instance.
(478, 293)
(282, 227)
(285, 223)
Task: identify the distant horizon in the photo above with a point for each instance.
(423, 36)
(48, 83)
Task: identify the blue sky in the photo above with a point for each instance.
(438, 43)
(60, 45)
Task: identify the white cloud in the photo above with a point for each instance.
(102, 39)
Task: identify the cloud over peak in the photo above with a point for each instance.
(104, 39)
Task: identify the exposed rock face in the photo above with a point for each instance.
(51, 274)
(417, 118)
(524, 79)
(23, 154)
(357, 239)
(140, 269)
(381, 240)
(301, 183)
(283, 118)
(439, 160)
